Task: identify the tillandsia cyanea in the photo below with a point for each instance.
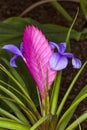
(40, 57)
(36, 52)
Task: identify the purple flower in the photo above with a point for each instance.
(59, 59)
(17, 53)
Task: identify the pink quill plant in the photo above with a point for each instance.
(36, 52)
(40, 57)
(43, 60)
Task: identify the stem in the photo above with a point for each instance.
(69, 32)
(34, 6)
(30, 8)
(45, 102)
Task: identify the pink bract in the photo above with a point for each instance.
(37, 53)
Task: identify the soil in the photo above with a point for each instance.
(47, 14)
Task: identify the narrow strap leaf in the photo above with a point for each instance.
(40, 122)
(69, 32)
(10, 75)
(62, 10)
(55, 93)
(9, 115)
(29, 102)
(15, 74)
(17, 111)
(79, 120)
(71, 108)
(21, 104)
(28, 113)
(83, 5)
(11, 124)
(19, 85)
(69, 90)
(69, 116)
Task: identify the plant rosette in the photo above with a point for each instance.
(45, 61)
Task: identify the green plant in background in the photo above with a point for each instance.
(83, 4)
(65, 14)
(57, 5)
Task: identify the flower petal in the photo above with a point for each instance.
(12, 61)
(68, 54)
(58, 62)
(13, 49)
(76, 63)
(53, 45)
(37, 52)
(61, 48)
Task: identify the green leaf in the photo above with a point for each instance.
(58, 33)
(17, 111)
(69, 32)
(11, 124)
(15, 73)
(84, 34)
(39, 122)
(79, 120)
(83, 5)
(69, 89)
(75, 104)
(28, 112)
(69, 116)
(22, 97)
(22, 75)
(12, 30)
(22, 85)
(9, 115)
(62, 10)
(15, 81)
(21, 22)
(55, 93)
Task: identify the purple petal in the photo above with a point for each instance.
(58, 62)
(53, 45)
(12, 61)
(61, 48)
(68, 54)
(13, 49)
(76, 63)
